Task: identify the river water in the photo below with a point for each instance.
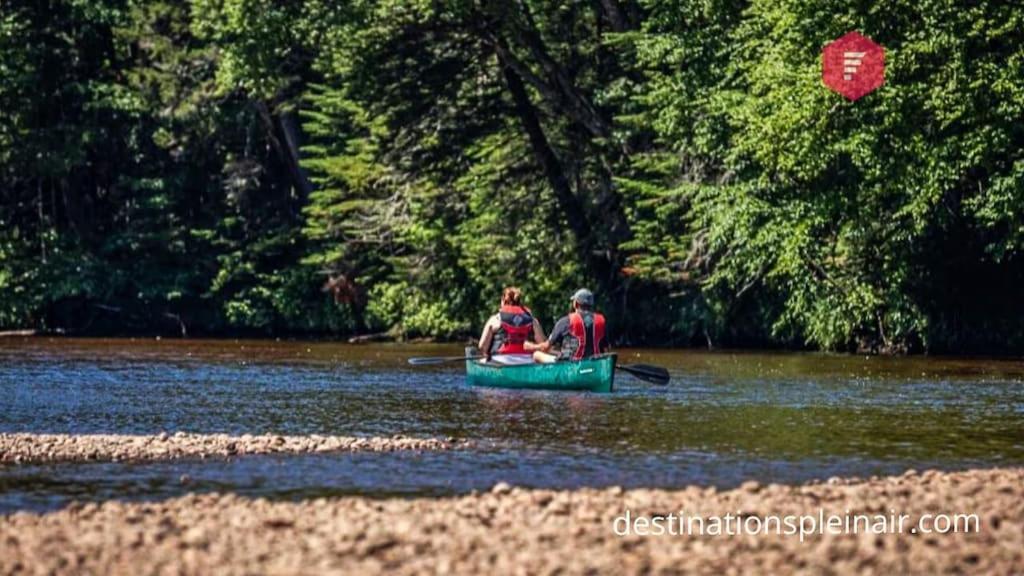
(726, 417)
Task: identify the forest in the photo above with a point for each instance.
(384, 167)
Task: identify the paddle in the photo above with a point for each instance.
(437, 360)
(647, 373)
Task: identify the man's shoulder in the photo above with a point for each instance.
(561, 326)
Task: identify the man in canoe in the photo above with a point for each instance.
(508, 332)
(579, 335)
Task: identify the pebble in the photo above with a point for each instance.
(23, 448)
(752, 486)
(520, 531)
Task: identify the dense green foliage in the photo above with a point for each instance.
(337, 168)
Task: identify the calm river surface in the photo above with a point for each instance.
(726, 417)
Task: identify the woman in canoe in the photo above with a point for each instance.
(507, 332)
(579, 335)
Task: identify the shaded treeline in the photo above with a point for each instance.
(338, 168)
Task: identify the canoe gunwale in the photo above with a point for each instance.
(481, 362)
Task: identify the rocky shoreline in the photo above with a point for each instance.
(512, 530)
(22, 448)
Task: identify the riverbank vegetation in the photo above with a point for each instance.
(340, 168)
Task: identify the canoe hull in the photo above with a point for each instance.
(593, 375)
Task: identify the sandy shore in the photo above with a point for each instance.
(37, 448)
(515, 531)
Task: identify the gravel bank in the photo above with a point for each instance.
(509, 530)
(37, 448)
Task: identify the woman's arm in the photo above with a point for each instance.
(538, 332)
(540, 342)
(485, 339)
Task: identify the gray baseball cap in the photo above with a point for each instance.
(584, 297)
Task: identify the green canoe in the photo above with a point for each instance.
(594, 374)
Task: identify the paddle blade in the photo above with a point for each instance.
(647, 373)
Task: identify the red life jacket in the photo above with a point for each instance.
(588, 338)
(516, 327)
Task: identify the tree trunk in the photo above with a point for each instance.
(623, 16)
(286, 146)
(588, 251)
(574, 102)
(290, 130)
(74, 210)
(42, 220)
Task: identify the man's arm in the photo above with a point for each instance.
(543, 346)
(555, 339)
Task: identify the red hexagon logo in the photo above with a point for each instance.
(853, 65)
